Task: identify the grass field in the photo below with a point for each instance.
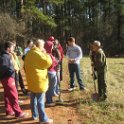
(78, 107)
(111, 111)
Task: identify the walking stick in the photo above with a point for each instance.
(94, 95)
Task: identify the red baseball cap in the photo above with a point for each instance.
(51, 38)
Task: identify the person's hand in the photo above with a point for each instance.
(71, 60)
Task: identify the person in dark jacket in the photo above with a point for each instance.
(7, 78)
(99, 64)
(57, 52)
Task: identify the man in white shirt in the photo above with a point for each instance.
(74, 54)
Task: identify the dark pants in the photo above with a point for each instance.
(102, 84)
(75, 69)
(61, 71)
(19, 80)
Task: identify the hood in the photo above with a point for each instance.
(51, 38)
(48, 46)
(3, 52)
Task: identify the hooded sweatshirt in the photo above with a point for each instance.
(6, 66)
(48, 46)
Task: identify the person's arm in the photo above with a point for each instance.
(58, 54)
(70, 60)
(100, 60)
(54, 61)
(68, 53)
(7, 69)
(44, 61)
(61, 51)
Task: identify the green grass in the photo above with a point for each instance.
(109, 112)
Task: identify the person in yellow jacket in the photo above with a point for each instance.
(36, 63)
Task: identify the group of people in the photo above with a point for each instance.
(43, 69)
(42, 66)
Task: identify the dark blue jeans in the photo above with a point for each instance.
(75, 69)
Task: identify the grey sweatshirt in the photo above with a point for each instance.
(74, 52)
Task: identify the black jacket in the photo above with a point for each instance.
(6, 66)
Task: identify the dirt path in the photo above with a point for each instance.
(61, 114)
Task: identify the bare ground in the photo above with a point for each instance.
(64, 113)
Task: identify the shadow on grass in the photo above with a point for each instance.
(65, 91)
(72, 103)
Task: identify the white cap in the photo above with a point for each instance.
(97, 43)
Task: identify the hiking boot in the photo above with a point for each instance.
(50, 121)
(101, 99)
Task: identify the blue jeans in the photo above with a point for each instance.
(75, 68)
(38, 106)
(58, 82)
(52, 87)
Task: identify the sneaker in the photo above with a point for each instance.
(23, 115)
(10, 114)
(35, 118)
(20, 102)
(56, 95)
(50, 121)
(72, 89)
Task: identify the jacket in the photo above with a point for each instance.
(99, 61)
(61, 51)
(6, 66)
(15, 62)
(36, 64)
(49, 46)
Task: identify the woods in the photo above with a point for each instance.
(84, 19)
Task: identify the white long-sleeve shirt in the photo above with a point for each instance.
(74, 52)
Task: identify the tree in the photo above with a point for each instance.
(86, 20)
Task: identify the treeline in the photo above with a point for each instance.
(86, 20)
